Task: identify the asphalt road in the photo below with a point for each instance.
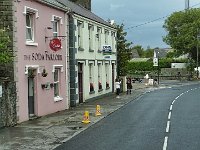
(166, 119)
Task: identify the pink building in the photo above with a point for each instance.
(40, 41)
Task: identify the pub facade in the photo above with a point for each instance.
(40, 58)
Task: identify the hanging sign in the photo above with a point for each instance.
(107, 49)
(55, 44)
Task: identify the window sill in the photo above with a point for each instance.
(99, 51)
(57, 99)
(81, 49)
(91, 50)
(107, 88)
(100, 90)
(92, 92)
(31, 44)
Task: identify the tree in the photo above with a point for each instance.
(182, 28)
(139, 49)
(149, 53)
(123, 51)
(5, 53)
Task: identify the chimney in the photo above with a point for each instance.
(84, 3)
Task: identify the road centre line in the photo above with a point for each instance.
(168, 125)
(171, 107)
(165, 143)
(173, 102)
(169, 115)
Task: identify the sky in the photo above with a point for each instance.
(136, 12)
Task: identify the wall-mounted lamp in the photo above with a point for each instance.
(49, 28)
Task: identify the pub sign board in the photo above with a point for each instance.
(55, 44)
(107, 49)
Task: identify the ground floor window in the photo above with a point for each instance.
(57, 82)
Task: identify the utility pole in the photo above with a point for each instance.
(197, 53)
(187, 4)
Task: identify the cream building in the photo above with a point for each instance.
(92, 55)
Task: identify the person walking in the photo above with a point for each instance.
(117, 85)
(129, 85)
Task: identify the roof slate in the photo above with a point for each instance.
(55, 4)
(80, 10)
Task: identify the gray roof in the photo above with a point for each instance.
(54, 3)
(80, 10)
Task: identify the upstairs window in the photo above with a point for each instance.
(90, 35)
(31, 15)
(113, 40)
(55, 28)
(80, 34)
(99, 38)
(56, 21)
(106, 37)
(29, 27)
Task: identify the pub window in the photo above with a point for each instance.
(31, 15)
(56, 21)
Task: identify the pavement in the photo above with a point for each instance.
(48, 132)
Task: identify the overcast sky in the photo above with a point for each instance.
(136, 12)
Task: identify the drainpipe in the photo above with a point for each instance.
(72, 62)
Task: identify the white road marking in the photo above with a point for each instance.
(171, 107)
(169, 115)
(173, 102)
(165, 143)
(168, 125)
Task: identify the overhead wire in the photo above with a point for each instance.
(155, 19)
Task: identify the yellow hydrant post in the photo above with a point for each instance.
(98, 110)
(86, 118)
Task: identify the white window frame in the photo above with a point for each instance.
(56, 22)
(60, 68)
(91, 72)
(107, 69)
(32, 66)
(106, 37)
(80, 34)
(99, 66)
(90, 36)
(99, 30)
(113, 41)
(33, 12)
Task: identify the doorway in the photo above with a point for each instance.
(31, 97)
(80, 82)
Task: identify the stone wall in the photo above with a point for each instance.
(8, 115)
(8, 97)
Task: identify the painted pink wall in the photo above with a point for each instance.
(44, 103)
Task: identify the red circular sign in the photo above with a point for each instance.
(55, 44)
